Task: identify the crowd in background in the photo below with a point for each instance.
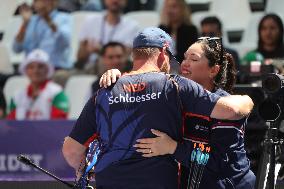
(105, 42)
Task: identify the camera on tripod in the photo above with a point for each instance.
(271, 111)
(272, 107)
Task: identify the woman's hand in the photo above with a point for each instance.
(109, 77)
(161, 145)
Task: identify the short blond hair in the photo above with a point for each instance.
(145, 52)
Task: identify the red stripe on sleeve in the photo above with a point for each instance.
(189, 114)
(93, 137)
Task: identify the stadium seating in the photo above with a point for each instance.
(159, 5)
(197, 17)
(78, 17)
(77, 89)
(198, 1)
(145, 18)
(10, 32)
(5, 65)
(7, 12)
(275, 6)
(233, 14)
(234, 17)
(13, 85)
(250, 35)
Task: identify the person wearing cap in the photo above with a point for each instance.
(42, 99)
(143, 99)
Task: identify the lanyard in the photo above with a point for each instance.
(103, 32)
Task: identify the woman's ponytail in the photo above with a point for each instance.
(229, 72)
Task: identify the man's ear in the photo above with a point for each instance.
(214, 71)
(162, 56)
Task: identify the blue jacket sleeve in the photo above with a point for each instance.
(194, 98)
(227, 135)
(85, 127)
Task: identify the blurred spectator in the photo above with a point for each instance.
(92, 5)
(41, 99)
(113, 56)
(212, 27)
(69, 5)
(22, 6)
(2, 105)
(252, 56)
(75, 5)
(48, 30)
(136, 5)
(176, 20)
(270, 40)
(97, 31)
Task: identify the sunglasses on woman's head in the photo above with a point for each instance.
(212, 42)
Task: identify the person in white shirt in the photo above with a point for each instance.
(41, 99)
(110, 26)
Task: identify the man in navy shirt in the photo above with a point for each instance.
(145, 98)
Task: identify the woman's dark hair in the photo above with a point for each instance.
(214, 52)
(279, 23)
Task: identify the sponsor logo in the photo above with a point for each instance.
(132, 99)
(134, 87)
(201, 128)
(9, 162)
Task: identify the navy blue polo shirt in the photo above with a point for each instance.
(127, 111)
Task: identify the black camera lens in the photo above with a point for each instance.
(272, 83)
